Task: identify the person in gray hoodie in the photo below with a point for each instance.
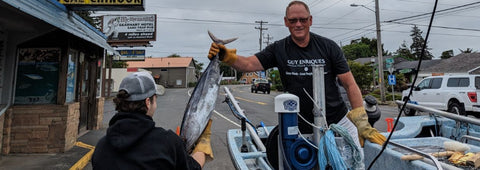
(132, 140)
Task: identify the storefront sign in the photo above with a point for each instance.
(132, 55)
(104, 5)
(129, 28)
(71, 75)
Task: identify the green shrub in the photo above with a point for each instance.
(278, 87)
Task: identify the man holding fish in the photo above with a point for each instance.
(132, 140)
(294, 57)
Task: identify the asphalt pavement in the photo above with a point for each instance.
(79, 156)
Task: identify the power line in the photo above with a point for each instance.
(444, 27)
(428, 13)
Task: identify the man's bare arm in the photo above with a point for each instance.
(247, 64)
(353, 91)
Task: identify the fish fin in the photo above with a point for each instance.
(219, 41)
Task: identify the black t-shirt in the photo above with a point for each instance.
(295, 66)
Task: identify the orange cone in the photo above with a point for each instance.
(178, 130)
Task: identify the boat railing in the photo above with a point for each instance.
(441, 113)
(252, 132)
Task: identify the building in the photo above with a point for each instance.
(464, 63)
(118, 74)
(50, 76)
(248, 78)
(169, 71)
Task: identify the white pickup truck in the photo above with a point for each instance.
(453, 93)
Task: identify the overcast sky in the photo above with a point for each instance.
(182, 24)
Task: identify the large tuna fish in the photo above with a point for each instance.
(202, 102)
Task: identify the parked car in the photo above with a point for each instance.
(453, 93)
(261, 85)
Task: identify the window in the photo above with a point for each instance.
(477, 82)
(37, 76)
(458, 82)
(436, 83)
(99, 77)
(71, 76)
(425, 84)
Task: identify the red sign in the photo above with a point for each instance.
(132, 69)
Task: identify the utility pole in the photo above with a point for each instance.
(379, 47)
(379, 52)
(261, 28)
(267, 39)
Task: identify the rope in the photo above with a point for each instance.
(357, 156)
(306, 140)
(330, 152)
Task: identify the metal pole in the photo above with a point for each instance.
(441, 113)
(379, 53)
(320, 119)
(393, 94)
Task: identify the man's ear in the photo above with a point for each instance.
(148, 102)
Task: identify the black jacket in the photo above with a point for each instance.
(133, 142)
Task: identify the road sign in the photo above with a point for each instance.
(391, 79)
(390, 70)
(389, 60)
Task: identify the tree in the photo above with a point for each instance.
(447, 54)
(362, 74)
(119, 64)
(417, 44)
(360, 48)
(198, 68)
(94, 21)
(357, 50)
(468, 50)
(227, 70)
(174, 55)
(276, 80)
(404, 52)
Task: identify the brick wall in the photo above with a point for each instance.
(2, 120)
(40, 128)
(99, 116)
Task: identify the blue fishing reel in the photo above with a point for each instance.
(294, 152)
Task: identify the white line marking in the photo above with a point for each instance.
(219, 114)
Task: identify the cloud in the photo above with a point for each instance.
(182, 24)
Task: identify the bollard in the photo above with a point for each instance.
(389, 124)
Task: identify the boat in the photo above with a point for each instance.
(253, 147)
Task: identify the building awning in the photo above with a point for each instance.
(59, 16)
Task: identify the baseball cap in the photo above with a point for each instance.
(139, 85)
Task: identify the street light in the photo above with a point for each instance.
(379, 47)
(356, 5)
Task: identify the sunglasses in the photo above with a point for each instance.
(295, 20)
